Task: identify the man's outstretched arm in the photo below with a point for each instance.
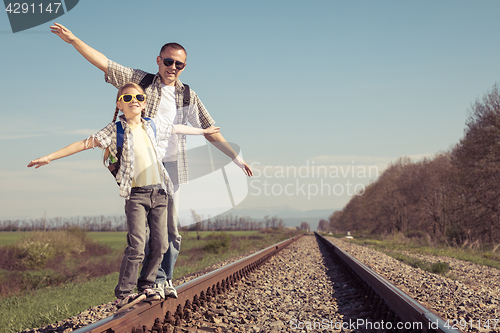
(218, 141)
(95, 57)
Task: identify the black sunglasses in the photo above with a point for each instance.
(178, 64)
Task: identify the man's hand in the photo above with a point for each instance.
(218, 141)
(211, 130)
(95, 57)
(65, 34)
(246, 169)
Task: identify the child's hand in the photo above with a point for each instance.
(65, 34)
(211, 130)
(39, 162)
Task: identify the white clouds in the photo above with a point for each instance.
(62, 188)
(20, 130)
(14, 136)
(84, 131)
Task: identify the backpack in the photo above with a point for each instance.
(148, 80)
(114, 163)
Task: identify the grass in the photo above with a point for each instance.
(11, 237)
(439, 267)
(44, 259)
(48, 305)
(117, 241)
(395, 244)
(192, 259)
(43, 306)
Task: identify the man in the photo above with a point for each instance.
(165, 101)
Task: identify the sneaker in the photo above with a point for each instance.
(128, 300)
(158, 287)
(152, 294)
(169, 289)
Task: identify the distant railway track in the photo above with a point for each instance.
(274, 295)
(392, 304)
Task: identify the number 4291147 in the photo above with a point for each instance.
(463, 324)
(31, 8)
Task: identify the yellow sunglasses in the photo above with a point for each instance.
(127, 98)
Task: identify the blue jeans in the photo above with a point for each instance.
(166, 270)
(145, 209)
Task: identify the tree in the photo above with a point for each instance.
(477, 159)
(305, 226)
(323, 225)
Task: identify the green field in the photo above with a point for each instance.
(44, 306)
(10, 237)
(116, 240)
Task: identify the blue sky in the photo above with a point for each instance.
(339, 84)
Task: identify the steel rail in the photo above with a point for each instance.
(150, 316)
(405, 307)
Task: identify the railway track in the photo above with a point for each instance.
(152, 317)
(392, 306)
(282, 297)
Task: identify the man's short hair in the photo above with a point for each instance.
(175, 46)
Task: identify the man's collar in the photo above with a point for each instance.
(179, 85)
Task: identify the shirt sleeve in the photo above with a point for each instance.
(104, 136)
(163, 130)
(118, 75)
(198, 115)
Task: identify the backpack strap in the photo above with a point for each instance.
(152, 123)
(119, 134)
(115, 165)
(119, 142)
(187, 95)
(147, 80)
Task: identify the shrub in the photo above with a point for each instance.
(415, 234)
(440, 268)
(34, 254)
(35, 251)
(50, 258)
(218, 243)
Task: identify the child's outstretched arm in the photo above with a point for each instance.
(73, 148)
(95, 57)
(188, 130)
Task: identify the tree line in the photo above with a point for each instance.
(87, 223)
(119, 223)
(233, 222)
(453, 197)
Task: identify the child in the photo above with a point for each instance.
(144, 184)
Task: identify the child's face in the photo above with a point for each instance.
(133, 108)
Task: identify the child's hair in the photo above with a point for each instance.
(120, 92)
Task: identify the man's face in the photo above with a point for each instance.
(171, 73)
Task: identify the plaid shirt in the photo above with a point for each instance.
(124, 176)
(195, 114)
